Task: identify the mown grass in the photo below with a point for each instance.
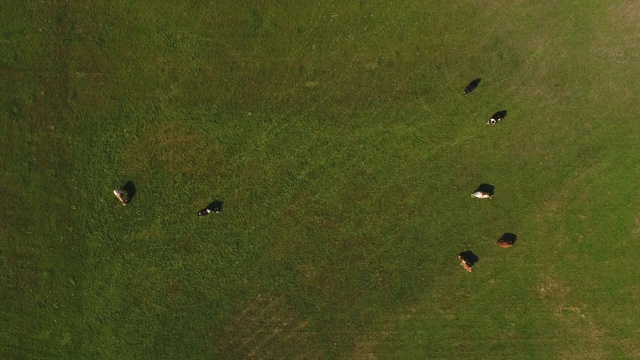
(338, 138)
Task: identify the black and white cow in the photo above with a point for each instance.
(206, 211)
(214, 207)
(497, 117)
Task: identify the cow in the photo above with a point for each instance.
(497, 117)
(207, 211)
(125, 193)
(481, 195)
(472, 86)
(504, 244)
(121, 196)
(467, 259)
(507, 240)
(214, 207)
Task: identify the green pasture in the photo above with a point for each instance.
(337, 136)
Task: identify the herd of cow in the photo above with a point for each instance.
(467, 258)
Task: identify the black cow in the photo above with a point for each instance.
(472, 86)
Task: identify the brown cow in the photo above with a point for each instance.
(464, 264)
(507, 240)
(122, 197)
(504, 244)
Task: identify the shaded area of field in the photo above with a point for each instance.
(339, 140)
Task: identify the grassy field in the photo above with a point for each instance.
(338, 139)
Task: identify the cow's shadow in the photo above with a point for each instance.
(215, 206)
(469, 257)
(508, 239)
(129, 188)
(486, 188)
(500, 114)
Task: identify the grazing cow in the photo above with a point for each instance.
(465, 263)
(481, 195)
(472, 86)
(497, 117)
(121, 196)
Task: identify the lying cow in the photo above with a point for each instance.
(465, 263)
(497, 117)
(481, 195)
